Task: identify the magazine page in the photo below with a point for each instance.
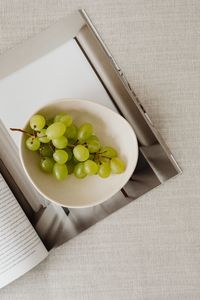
(21, 249)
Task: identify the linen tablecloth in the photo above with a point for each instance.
(150, 249)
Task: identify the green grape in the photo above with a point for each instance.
(37, 122)
(104, 159)
(70, 153)
(90, 167)
(60, 172)
(66, 119)
(70, 166)
(60, 156)
(33, 143)
(117, 165)
(60, 142)
(55, 130)
(77, 150)
(85, 131)
(104, 170)
(71, 132)
(57, 117)
(81, 153)
(108, 152)
(46, 151)
(42, 136)
(47, 164)
(93, 137)
(79, 171)
(93, 144)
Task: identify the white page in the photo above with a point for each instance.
(20, 247)
(62, 73)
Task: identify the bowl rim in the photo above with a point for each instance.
(114, 191)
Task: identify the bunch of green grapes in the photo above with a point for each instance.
(65, 149)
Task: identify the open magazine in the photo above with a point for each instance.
(68, 60)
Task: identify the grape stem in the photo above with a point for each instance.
(70, 145)
(105, 156)
(51, 146)
(98, 155)
(101, 152)
(75, 144)
(42, 136)
(23, 131)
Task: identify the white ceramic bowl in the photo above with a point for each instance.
(112, 130)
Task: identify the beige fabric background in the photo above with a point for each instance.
(151, 248)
